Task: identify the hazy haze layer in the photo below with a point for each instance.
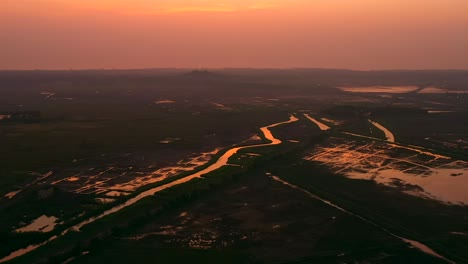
(357, 34)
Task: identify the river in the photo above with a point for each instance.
(222, 161)
(321, 125)
(389, 135)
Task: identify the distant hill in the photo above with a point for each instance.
(203, 74)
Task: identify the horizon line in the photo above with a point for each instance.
(231, 68)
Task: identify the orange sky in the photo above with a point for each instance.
(356, 34)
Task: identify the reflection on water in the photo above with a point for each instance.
(331, 121)
(218, 105)
(379, 89)
(223, 160)
(41, 224)
(12, 194)
(437, 90)
(73, 179)
(114, 181)
(439, 111)
(321, 125)
(164, 102)
(105, 200)
(439, 183)
(116, 193)
(388, 135)
(424, 248)
(417, 149)
(412, 170)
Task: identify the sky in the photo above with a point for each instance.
(351, 34)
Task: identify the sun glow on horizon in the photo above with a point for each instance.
(159, 7)
(358, 34)
(143, 6)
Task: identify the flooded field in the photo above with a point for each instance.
(437, 90)
(222, 161)
(118, 181)
(164, 102)
(409, 169)
(42, 224)
(99, 165)
(334, 122)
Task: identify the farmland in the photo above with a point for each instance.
(246, 166)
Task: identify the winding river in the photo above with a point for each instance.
(222, 161)
(388, 135)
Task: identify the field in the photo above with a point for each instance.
(234, 166)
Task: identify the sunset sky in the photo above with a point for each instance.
(354, 34)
